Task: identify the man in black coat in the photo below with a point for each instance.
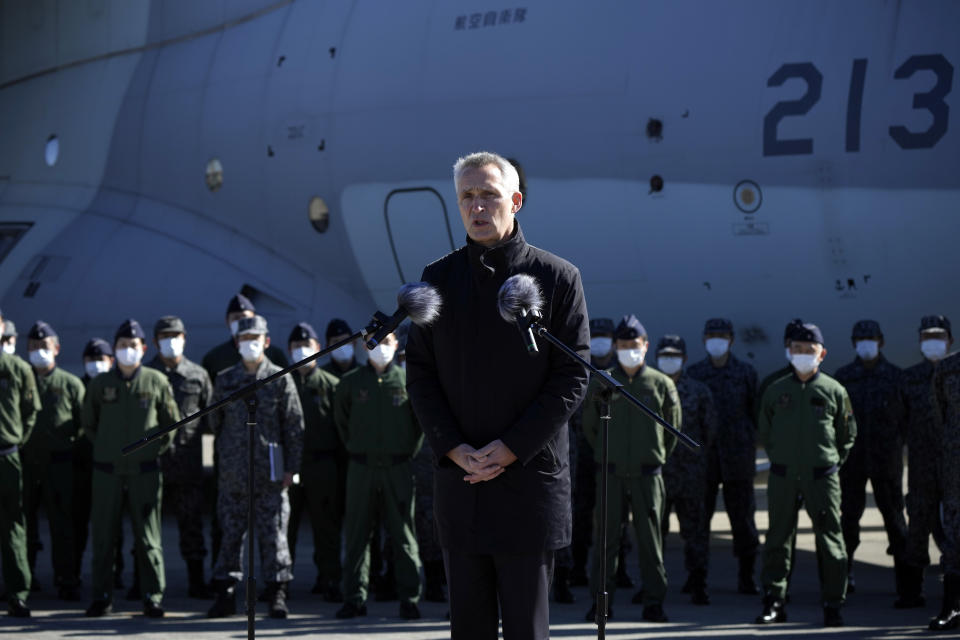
(496, 417)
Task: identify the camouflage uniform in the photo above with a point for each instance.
(279, 423)
(685, 474)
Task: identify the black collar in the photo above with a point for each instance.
(489, 261)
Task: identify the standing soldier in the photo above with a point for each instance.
(342, 360)
(807, 428)
(19, 406)
(8, 337)
(48, 458)
(784, 370)
(874, 387)
(376, 424)
(279, 444)
(320, 491)
(947, 388)
(120, 406)
(732, 458)
(925, 457)
(685, 473)
(182, 464)
(638, 449)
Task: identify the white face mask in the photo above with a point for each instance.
(631, 358)
(251, 350)
(382, 354)
(600, 347)
(933, 349)
(172, 347)
(300, 353)
(344, 354)
(128, 356)
(41, 358)
(96, 367)
(787, 352)
(234, 326)
(717, 347)
(804, 363)
(669, 364)
(867, 349)
(10, 348)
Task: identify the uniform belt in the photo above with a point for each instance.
(818, 472)
(145, 467)
(378, 460)
(8, 451)
(645, 469)
(324, 455)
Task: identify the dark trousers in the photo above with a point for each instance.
(518, 583)
(739, 500)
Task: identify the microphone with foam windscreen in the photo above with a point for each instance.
(520, 302)
(419, 301)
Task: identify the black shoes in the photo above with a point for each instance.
(696, 586)
(409, 610)
(351, 610)
(832, 617)
(654, 613)
(745, 583)
(99, 608)
(949, 616)
(226, 602)
(152, 610)
(773, 611)
(278, 600)
(909, 586)
(196, 585)
(17, 608)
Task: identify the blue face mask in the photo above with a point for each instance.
(600, 346)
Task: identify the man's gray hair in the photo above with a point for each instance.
(511, 179)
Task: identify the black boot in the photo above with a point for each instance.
(949, 616)
(909, 586)
(698, 587)
(773, 611)
(561, 587)
(196, 585)
(745, 583)
(278, 599)
(832, 617)
(433, 582)
(226, 602)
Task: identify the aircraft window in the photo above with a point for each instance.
(656, 183)
(52, 151)
(214, 174)
(10, 234)
(319, 214)
(655, 129)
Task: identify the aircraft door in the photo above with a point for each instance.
(418, 229)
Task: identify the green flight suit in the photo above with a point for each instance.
(638, 447)
(377, 426)
(808, 430)
(19, 406)
(48, 474)
(320, 491)
(117, 412)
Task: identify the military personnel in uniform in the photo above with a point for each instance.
(638, 449)
(874, 387)
(48, 472)
(926, 457)
(19, 406)
(182, 464)
(320, 492)
(377, 426)
(807, 428)
(121, 406)
(276, 458)
(685, 473)
(8, 337)
(732, 458)
(947, 389)
(342, 360)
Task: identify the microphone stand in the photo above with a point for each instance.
(249, 396)
(532, 321)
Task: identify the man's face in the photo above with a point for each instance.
(808, 348)
(487, 207)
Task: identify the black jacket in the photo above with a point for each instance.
(471, 381)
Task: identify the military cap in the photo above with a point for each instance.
(338, 327)
(9, 329)
(129, 329)
(256, 324)
(601, 327)
(791, 328)
(671, 344)
(302, 331)
(240, 302)
(718, 325)
(629, 328)
(935, 322)
(808, 333)
(96, 348)
(41, 330)
(866, 329)
(168, 324)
